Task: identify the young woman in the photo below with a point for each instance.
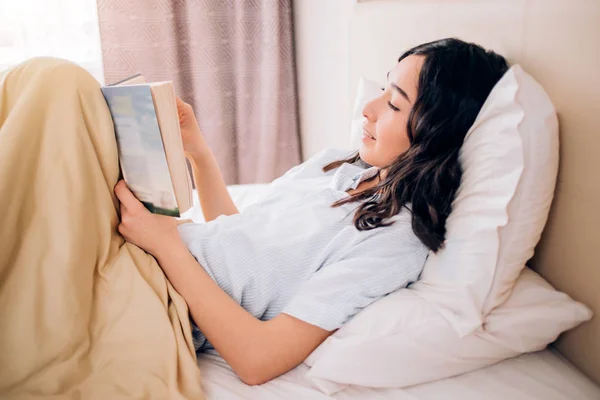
(265, 287)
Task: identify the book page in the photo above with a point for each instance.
(130, 80)
(141, 151)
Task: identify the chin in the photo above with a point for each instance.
(367, 155)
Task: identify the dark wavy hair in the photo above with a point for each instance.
(455, 79)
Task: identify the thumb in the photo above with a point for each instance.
(182, 106)
(125, 196)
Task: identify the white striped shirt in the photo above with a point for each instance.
(292, 253)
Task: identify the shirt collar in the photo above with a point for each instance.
(349, 176)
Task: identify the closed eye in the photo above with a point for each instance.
(392, 106)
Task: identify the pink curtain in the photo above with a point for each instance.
(233, 60)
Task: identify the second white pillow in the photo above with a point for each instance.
(403, 340)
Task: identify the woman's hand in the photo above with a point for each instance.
(193, 140)
(156, 234)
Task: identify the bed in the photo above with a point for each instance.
(542, 375)
(545, 374)
(557, 42)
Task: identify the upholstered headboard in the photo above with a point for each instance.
(558, 42)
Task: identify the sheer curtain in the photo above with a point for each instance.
(233, 60)
(59, 28)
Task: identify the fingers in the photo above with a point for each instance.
(122, 227)
(127, 221)
(183, 109)
(182, 105)
(127, 199)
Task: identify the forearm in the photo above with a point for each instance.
(212, 191)
(235, 334)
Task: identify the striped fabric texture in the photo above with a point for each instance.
(293, 253)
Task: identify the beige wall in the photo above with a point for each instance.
(322, 31)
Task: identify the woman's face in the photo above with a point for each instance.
(384, 135)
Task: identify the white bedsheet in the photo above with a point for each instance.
(544, 375)
(242, 196)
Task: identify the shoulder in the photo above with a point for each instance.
(401, 231)
(385, 241)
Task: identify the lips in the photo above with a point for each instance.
(368, 134)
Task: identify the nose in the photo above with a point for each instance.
(369, 111)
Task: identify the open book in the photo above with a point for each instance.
(149, 142)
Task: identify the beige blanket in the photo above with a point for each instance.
(83, 314)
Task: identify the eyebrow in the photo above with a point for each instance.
(399, 89)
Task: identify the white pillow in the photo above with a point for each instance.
(530, 205)
(403, 340)
(510, 163)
